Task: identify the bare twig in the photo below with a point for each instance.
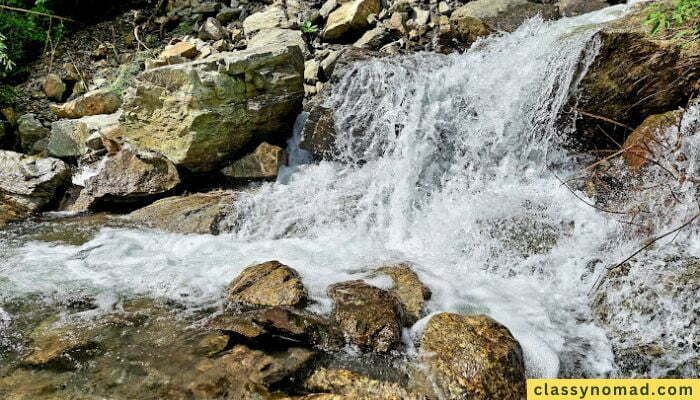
(600, 117)
(36, 13)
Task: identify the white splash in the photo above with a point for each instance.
(443, 163)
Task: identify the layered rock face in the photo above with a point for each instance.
(201, 114)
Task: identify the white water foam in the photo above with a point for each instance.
(452, 173)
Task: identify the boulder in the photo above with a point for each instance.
(128, 176)
(195, 213)
(371, 318)
(350, 20)
(202, 113)
(374, 38)
(268, 284)
(28, 184)
(53, 87)
(68, 137)
(351, 385)
(572, 8)
(273, 37)
(180, 49)
(263, 163)
(211, 29)
(461, 29)
(473, 357)
(272, 17)
(640, 144)
(32, 133)
(100, 101)
(410, 291)
(649, 310)
(504, 15)
(634, 75)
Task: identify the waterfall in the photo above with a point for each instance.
(448, 162)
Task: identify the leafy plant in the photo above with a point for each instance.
(308, 28)
(6, 64)
(661, 18)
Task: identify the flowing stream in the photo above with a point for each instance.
(448, 162)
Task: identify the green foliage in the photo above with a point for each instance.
(308, 28)
(24, 35)
(685, 12)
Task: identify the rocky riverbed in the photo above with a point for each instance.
(350, 200)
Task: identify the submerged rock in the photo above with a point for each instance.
(201, 114)
(351, 385)
(28, 184)
(410, 291)
(473, 357)
(244, 370)
(268, 284)
(60, 348)
(371, 318)
(195, 213)
(101, 101)
(650, 311)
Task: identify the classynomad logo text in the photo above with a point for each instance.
(613, 389)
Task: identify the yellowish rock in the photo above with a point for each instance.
(268, 284)
(473, 357)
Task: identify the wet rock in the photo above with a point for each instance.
(572, 8)
(506, 15)
(272, 17)
(278, 37)
(60, 348)
(199, 114)
(410, 291)
(126, 177)
(31, 133)
(264, 163)
(211, 29)
(28, 184)
(244, 370)
(212, 344)
(180, 49)
(634, 75)
(268, 284)
(280, 325)
(318, 136)
(461, 29)
(53, 87)
(101, 101)
(196, 213)
(370, 318)
(347, 22)
(351, 385)
(640, 143)
(473, 357)
(640, 305)
(68, 137)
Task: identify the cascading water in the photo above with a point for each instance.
(448, 162)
